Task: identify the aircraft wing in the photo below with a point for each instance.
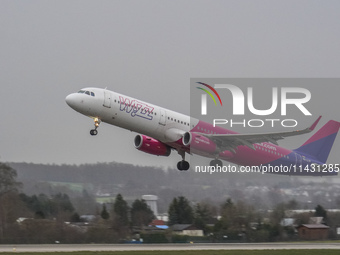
(232, 141)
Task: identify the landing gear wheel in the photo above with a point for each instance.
(183, 165)
(93, 132)
(96, 125)
(216, 163)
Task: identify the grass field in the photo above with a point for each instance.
(206, 252)
(79, 187)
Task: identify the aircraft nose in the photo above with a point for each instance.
(71, 100)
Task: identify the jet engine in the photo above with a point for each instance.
(198, 142)
(151, 146)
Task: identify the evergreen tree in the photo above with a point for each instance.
(121, 210)
(75, 217)
(141, 214)
(61, 203)
(180, 211)
(104, 214)
(203, 216)
(173, 212)
(320, 212)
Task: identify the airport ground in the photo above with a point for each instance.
(170, 249)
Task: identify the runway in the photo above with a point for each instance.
(165, 247)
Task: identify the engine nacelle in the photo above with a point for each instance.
(198, 142)
(204, 146)
(151, 146)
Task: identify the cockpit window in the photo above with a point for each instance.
(90, 93)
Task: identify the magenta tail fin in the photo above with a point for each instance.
(320, 144)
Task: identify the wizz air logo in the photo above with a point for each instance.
(204, 97)
(136, 108)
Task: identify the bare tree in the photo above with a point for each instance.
(8, 187)
(8, 181)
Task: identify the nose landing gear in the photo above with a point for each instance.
(96, 125)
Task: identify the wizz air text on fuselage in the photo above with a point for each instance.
(135, 108)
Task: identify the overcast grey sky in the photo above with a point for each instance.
(148, 50)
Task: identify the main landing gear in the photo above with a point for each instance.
(183, 165)
(96, 125)
(216, 163)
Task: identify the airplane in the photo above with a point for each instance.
(162, 130)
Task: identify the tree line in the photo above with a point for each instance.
(55, 218)
(128, 179)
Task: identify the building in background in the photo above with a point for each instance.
(151, 201)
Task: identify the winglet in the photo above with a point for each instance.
(311, 128)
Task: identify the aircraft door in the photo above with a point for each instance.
(107, 99)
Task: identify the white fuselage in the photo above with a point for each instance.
(129, 113)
